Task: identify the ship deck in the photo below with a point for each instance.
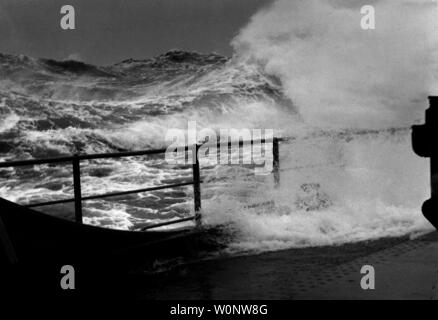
(404, 269)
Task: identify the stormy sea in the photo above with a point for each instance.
(337, 185)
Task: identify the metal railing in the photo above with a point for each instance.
(75, 161)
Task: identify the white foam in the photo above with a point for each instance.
(376, 187)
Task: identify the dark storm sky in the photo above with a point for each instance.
(108, 31)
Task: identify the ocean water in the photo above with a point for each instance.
(54, 108)
(348, 172)
(337, 185)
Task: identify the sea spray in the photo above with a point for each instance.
(355, 177)
(338, 183)
(339, 75)
(335, 188)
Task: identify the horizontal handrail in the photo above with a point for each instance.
(75, 161)
(21, 163)
(49, 203)
(80, 157)
(162, 224)
(122, 193)
(242, 142)
(110, 194)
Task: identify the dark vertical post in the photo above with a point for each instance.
(276, 162)
(197, 185)
(430, 207)
(7, 244)
(424, 145)
(432, 122)
(77, 189)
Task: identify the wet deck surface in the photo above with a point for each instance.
(405, 269)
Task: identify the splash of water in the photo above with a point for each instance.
(339, 75)
(334, 189)
(340, 187)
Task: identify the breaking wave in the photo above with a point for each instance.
(347, 172)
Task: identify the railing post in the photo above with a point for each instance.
(77, 188)
(197, 185)
(276, 162)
